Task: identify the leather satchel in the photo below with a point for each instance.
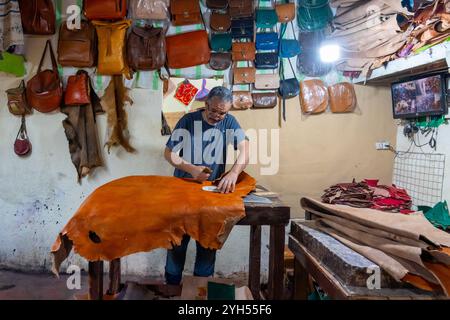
(185, 12)
(342, 97)
(188, 49)
(220, 60)
(266, 60)
(111, 47)
(146, 48)
(241, 8)
(242, 100)
(243, 75)
(217, 4)
(221, 42)
(267, 81)
(220, 22)
(266, 18)
(77, 90)
(289, 48)
(17, 100)
(314, 96)
(105, 9)
(77, 47)
(267, 41)
(150, 9)
(285, 12)
(44, 90)
(22, 144)
(242, 28)
(264, 100)
(243, 51)
(38, 17)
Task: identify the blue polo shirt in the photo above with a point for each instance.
(203, 144)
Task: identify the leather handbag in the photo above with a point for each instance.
(243, 51)
(264, 100)
(22, 144)
(342, 97)
(217, 4)
(150, 9)
(242, 100)
(241, 8)
(38, 17)
(44, 90)
(77, 47)
(289, 48)
(220, 60)
(220, 22)
(267, 41)
(242, 28)
(17, 100)
(314, 96)
(77, 90)
(267, 81)
(266, 17)
(266, 60)
(311, 18)
(243, 75)
(188, 49)
(111, 47)
(289, 88)
(185, 12)
(221, 42)
(285, 12)
(105, 9)
(146, 48)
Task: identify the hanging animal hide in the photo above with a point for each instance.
(114, 101)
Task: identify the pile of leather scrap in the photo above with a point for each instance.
(369, 195)
(408, 247)
(142, 213)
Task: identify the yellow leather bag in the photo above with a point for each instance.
(112, 48)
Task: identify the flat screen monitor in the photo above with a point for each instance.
(420, 96)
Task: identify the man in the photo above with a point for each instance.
(205, 136)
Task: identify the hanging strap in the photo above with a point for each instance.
(23, 130)
(52, 55)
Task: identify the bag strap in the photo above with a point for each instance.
(23, 130)
(52, 55)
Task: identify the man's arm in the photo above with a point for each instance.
(228, 182)
(197, 172)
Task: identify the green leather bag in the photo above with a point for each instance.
(12, 63)
(221, 42)
(314, 15)
(266, 18)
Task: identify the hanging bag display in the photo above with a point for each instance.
(22, 144)
(314, 96)
(285, 12)
(220, 60)
(289, 48)
(289, 88)
(105, 9)
(44, 90)
(241, 8)
(264, 100)
(243, 51)
(244, 75)
(220, 22)
(185, 12)
(150, 9)
(242, 100)
(266, 60)
(266, 17)
(77, 90)
(267, 81)
(242, 28)
(17, 100)
(146, 48)
(267, 41)
(221, 42)
(38, 17)
(217, 4)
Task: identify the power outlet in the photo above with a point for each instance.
(382, 145)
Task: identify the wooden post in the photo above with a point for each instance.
(96, 280)
(276, 262)
(254, 274)
(301, 281)
(114, 277)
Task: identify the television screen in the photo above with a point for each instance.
(425, 96)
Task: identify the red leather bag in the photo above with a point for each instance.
(105, 9)
(77, 90)
(22, 145)
(44, 90)
(38, 16)
(188, 49)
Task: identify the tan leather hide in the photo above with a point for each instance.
(142, 213)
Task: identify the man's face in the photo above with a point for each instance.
(216, 110)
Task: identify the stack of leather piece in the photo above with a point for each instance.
(409, 248)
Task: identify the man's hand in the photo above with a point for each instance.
(228, 183)
(200, 173)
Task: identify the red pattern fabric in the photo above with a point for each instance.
(186, 92)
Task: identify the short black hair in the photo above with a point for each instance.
(222, 93)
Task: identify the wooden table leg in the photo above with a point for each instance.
(114, 277)
(276, 262)
(96, 280)
(301, 281)
(254, 274)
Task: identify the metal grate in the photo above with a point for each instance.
(422, 175)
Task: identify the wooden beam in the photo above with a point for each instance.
(276, 262)
(254, 276)
(96, 280)
(114, 277)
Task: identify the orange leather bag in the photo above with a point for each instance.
(314, 96)
(342, 97)
(111, 47)
(188, 49)
(185, 12)
(105, 9)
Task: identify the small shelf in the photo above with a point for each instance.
(432, 59)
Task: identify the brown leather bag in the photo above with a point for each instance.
(77, 47)
(44, 90)
(38, 17)
(17, 100)
(220, 22)
(77, 90)
(150, 9)
(220, 60)
(216, 4)
(314, 96)
(105, 9)
(285, 12)
(342, 97)
(242, 100)
(146, 48)
(22, 144)
(188, 49)
(185, 12)
(241, 8)
(244, 75)
(264, 100)
(111, 47)
(243, 51)
(267, 81)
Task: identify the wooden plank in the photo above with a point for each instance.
(266, 215)
(301, 281)
(254, 276)
(276, 262)
(96, 280)
(114, 277)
